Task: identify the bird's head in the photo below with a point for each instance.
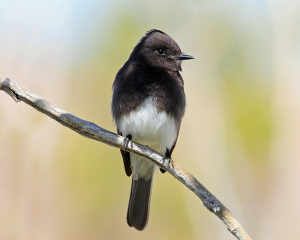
(158, 50)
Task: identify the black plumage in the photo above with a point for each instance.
(151, 72)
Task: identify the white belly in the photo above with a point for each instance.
(149, 127)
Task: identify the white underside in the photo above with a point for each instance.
(149, 127)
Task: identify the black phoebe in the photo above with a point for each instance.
(148, 104)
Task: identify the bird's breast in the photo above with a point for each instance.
(149, 126)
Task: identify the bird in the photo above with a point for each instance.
(148, 104)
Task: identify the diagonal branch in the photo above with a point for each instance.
(91, 130)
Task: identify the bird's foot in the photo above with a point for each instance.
(167, 158)
(168, 163)
(126, 142)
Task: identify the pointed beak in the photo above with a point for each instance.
(183, 56)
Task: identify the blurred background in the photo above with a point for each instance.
(240, 134)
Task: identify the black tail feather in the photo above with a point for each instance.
(138, 207)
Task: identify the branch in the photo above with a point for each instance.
(91, 130)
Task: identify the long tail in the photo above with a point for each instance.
(139, 202)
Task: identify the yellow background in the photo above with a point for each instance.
(239, 137)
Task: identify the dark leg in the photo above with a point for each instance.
(167, 155)
(126, 158)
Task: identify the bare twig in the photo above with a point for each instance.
(91, 130)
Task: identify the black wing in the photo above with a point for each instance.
(126, 159)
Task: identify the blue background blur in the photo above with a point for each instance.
(240, 134)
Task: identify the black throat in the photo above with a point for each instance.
(136, 82)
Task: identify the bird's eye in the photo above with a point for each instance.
(161, 51)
